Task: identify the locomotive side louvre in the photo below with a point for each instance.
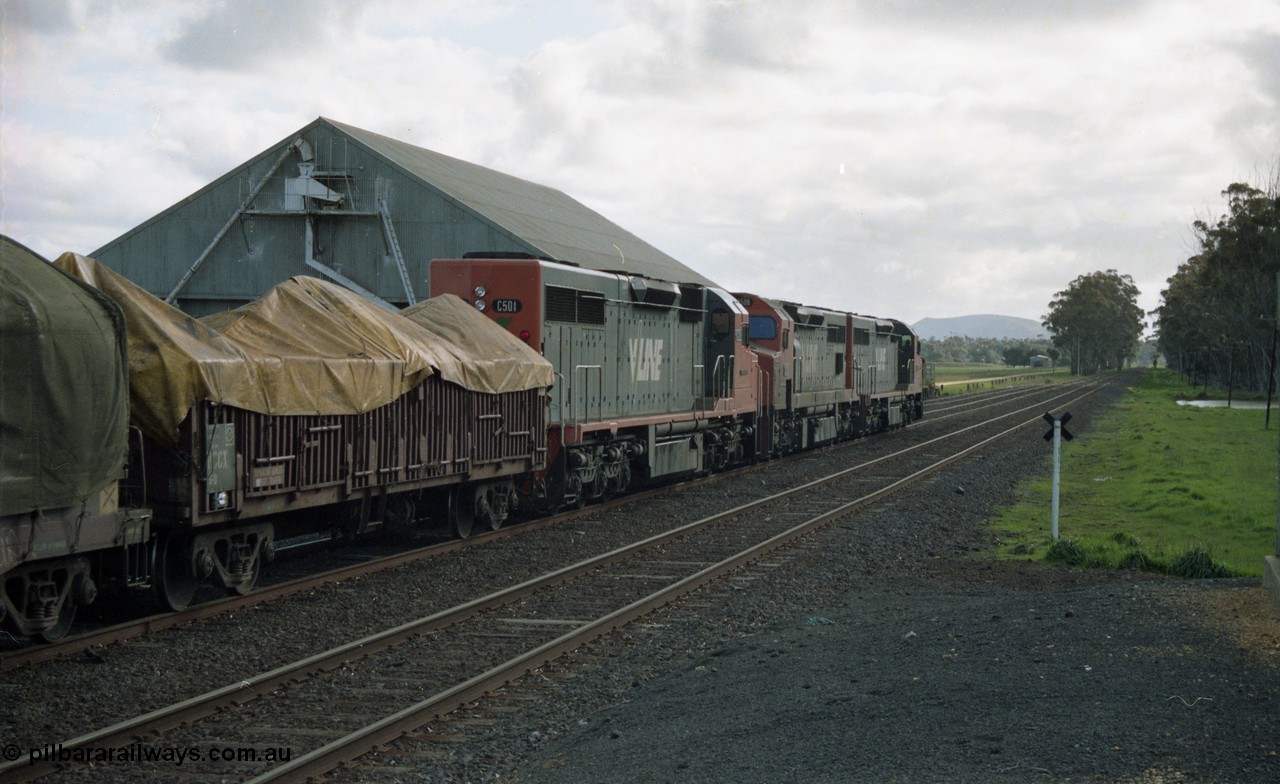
(890, 376)
(870, 358)
(821, 351)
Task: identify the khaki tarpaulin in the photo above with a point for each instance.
(487, 358)
(306, 347)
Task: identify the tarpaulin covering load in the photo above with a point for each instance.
(487, 357)
(306, 347)
(64, 413)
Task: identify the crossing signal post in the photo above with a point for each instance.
(1056, 434)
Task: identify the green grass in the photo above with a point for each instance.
(946, 374)
(1156, 486)
(963, 371)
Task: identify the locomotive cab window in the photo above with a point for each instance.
(763, 328)
(721, 324)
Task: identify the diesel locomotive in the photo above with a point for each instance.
(656, 379)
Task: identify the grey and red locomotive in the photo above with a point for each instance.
(657, 379)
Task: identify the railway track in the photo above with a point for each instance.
(119, 632)
(340, 703)
(77, 644)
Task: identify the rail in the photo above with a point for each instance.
(385, 729)
(120, 632)
(392, 727)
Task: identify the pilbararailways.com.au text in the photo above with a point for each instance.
(142, 753)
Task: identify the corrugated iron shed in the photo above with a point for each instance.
(367, 211)
(554, 223)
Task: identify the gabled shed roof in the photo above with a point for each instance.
(559, 226)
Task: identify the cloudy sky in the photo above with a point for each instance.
(906, 158)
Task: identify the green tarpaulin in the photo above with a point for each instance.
(64, 392)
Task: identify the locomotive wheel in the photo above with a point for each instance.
(66, 617)
(462, 512)
(574, 492)
(174, 582)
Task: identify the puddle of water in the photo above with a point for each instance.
(1258, 404)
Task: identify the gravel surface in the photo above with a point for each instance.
(949, 680)
(890, 650)
(883, 649)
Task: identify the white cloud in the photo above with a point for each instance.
(909, 159)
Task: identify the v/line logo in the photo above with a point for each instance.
(646, 359)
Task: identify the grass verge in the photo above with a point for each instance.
(1156, 486)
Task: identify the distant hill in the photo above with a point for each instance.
(984, 326)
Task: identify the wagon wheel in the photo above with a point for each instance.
(66, 617)
(462, 512)
(175, 584)
(493, 504)
(245, 588)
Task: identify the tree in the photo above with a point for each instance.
(959, 349)
(1097, 321)
(1019, 353)
(1216, 317)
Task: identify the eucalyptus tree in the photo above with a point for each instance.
(1097, 321)
(1218, 313)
